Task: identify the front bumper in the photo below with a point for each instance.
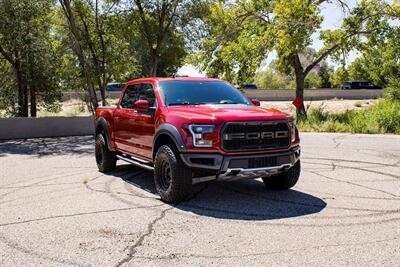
(241, 167)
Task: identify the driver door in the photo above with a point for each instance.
(125, 121)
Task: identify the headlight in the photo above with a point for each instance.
(292, 127)
(203, 135)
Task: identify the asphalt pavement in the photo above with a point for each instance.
(56, 209)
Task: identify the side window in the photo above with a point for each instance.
(130, 96)
(146, 92)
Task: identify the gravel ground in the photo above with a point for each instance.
(333, 105)
(57, 210)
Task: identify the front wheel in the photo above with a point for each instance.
(172, 178)
(284, 180)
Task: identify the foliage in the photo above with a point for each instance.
(54, 107)
(338, 77)
(382, 117)
(242, 33)
(270, 79)
(8, 94)
(392, 92)
(26, 46)
(42, 53)
(162, 27)
(313, 81)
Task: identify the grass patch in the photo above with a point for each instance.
(382, 117)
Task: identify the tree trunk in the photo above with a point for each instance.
(300, 111)
(33, 101)
(300, 77)
(66, 5)
(102, 89)
(26, 102)
(22, 91)
(18, 78)
(153, 63)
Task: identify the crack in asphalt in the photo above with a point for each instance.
(139, 242)
(80, 214)
(356, 184)
(18, 247)
(335, 140)
(397, 177)
(177, 255)
(150, 230)
(354, 161)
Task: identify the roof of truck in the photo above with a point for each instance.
(158, 79)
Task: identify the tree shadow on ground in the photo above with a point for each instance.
(41, 147)
(240, 200)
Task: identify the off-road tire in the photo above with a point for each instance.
(173, 179)
(106, 160)
(284, 180)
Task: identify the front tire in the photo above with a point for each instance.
(106, 160)
(284, 180)
(173, 179)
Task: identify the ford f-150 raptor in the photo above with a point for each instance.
(193, 130)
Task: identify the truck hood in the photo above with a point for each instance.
(222, 113)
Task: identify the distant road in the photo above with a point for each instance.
(280, 94)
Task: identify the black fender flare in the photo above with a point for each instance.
(173, 133)
(102, 123)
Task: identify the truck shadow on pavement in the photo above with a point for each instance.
(239, 200)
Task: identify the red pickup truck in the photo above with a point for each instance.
(193, 130)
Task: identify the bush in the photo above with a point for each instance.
(270, 79)
(54, 107)
(382, 117)
(313, 81)
(392, 92)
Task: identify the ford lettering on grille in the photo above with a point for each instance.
(255, 135)
(252, 136)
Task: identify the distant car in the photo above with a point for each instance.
(360, 85)
(248, 86)
(115, 87)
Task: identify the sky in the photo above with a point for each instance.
(333, 15)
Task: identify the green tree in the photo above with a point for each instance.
(241, 33)
(270, 79)
(380, 55)
(161, 27)
(26, 46)
(338, 77)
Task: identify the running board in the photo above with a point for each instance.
(137, 163)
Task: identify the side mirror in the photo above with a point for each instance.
(256, 102)
(142, 105)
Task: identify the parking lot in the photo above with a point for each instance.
(57, 209)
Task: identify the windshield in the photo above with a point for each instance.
(177, 93)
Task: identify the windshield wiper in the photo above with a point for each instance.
(227, 103)
(186, 103)
(223, 103)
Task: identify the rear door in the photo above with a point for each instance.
(125, 116)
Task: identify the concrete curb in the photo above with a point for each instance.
(19, 128)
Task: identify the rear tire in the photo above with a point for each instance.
(284, 180)
(173, 179)
(106, 160)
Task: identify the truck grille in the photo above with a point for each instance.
(253, 136)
